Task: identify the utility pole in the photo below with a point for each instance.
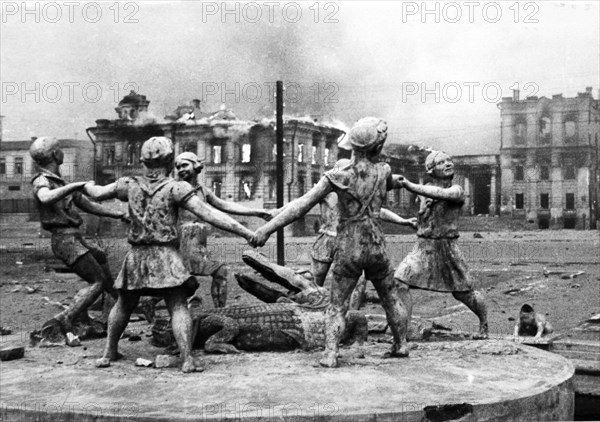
(279, 165)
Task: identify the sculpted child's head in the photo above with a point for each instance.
(45, 150)
(188, 165)
(368, 135)
(439, 165)
(157, 152)
(527, 314)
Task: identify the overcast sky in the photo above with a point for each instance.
(350, 59)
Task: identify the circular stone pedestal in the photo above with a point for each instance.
(468, 380)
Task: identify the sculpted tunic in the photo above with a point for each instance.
(154, 262)
(193, 235)
(324, 247)
(61, 219)
(360, 243)
(436, 263)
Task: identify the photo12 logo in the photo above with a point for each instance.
(469, 11)
(255, 92)
(454, 92)
(69, 11)
(54, 92)
(269, 11)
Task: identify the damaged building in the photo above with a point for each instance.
(545, 174)
(549, 159)
(239, 155)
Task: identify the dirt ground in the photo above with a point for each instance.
(509, 266)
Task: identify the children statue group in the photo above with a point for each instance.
(168, 238)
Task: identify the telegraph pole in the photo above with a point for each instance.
(279, 166)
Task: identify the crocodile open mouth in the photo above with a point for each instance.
(272, 272)
(251, 284)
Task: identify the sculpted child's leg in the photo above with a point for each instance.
(389, 290)
(94, 269)
(218, 289)
(181, 321)
(405, 296)
(475, 301)
(335, 318)
(319, 271)
(88, 268)
(117, 322)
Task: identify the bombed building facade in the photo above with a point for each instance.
(549, 159)
(239, 155)
(545, 174)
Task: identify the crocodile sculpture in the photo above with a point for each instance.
(289, 320)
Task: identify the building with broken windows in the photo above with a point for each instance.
(239, 155)
(545, 173)
(549, 159)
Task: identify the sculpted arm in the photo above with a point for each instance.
(387, 215)
(297, 208)
(234, 208)
(454, 193)
(101, 192)
(95, 208)
(49, 196)
(216, 217)
(540, 323)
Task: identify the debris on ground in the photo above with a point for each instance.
(572, 275)
(73, 340)
(144, 362)
(438, 326)
(547, 272)
(518, 290)
(377, 323)
(53, 302)
(12, 352)
(166, 361)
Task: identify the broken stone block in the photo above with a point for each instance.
(572, 276)
(12, 352)
(166, 361)
(31, 290)
(377, 323)
(143, 362)
(73, 340)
